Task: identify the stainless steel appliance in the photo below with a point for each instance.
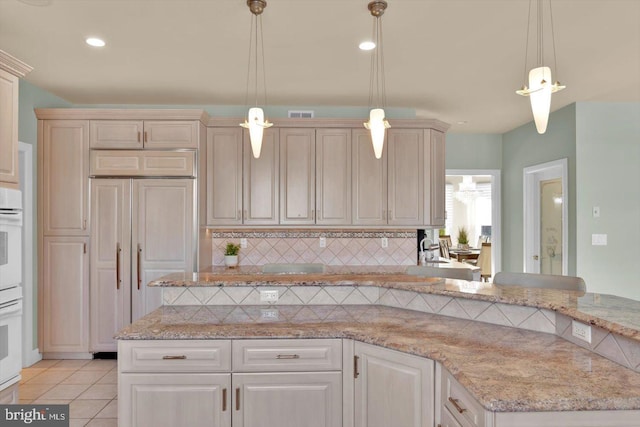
(10, 289)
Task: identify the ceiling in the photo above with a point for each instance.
(453, 60)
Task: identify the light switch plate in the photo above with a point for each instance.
(243, 243)
(596, 211)
(384, 242)
(323, 242)
(269, 295)
(599, 240)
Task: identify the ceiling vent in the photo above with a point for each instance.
(300, 114)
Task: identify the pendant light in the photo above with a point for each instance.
(377, 123)
(540, 87)
(255, 120)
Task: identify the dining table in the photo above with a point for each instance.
(464, 254)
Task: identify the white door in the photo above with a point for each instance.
(110, 282)
(545, 218)
(291, 399)
(392, 388)
(162, 237)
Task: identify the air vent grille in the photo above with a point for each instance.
(300, 114)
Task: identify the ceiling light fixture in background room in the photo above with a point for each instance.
(255, 122)
(377, 123)
(540, 86)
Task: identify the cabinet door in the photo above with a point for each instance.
(406, 176)
(65, 177)
(393, 388)
(308, 399)
(224, 176)
(369, 181)
(434, 194)
(297, 176)
(8, 128)
(162, 237)
(122, 134)
(448, 420)
(110, 283)
(65, 295)
(333, 176)
(171, 134)
(171, 400)
(261, 180)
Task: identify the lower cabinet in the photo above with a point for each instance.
(392, 388)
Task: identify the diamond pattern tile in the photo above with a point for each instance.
(516, 313)
(453, 309)
(186, 298)
(610, 349)
(493, 315)
(419, 304)
(473, 307)
(631, 351)
(305, 293)
(538, 322)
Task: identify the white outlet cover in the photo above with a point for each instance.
(599, 240)
(243, 243)
(271, 295)
(323, 242)
(384, 242)
(581, 331)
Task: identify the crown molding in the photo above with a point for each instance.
(13, 65)
(334, 123)
(121, 114)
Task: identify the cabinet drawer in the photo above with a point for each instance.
(142, 163)
(174, 356)
(447, 419)
(287, 355)
(466, 410)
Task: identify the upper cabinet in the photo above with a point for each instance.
(139, 134)
(11, 70)
(326, 175)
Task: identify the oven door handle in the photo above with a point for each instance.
(11, 216)
(10, 307)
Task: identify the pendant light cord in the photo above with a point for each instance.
(246, 93)
(553, 41)
(264, 68)
(377, 83)
(526, 46)
(254, 37)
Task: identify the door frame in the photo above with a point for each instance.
(496, 211)
(531, 211)
(30, 355)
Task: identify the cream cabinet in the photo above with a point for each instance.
(405, 172)
(261, 187)
(146, 163)
(11, 70)
(333, 176)
(297, 176)
(392, 388)
(64, 297)
(434, 189)
(64, 177)
(139, 134)
(369, 181)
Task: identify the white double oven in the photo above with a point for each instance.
(10, 287)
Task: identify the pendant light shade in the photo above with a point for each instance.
(255, 121)
(377, 123)
(540, 86)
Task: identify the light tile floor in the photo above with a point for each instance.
(88, 386)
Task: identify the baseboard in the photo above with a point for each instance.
(74, 356)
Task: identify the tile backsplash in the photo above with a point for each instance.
(303, 246)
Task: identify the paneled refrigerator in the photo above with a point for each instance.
(141, 229)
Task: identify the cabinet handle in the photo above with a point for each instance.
(224, 399)
(84, 248)
(240, 214)
(389, 214)
(139, 256)
(455, 403)
(145, 136)
(238, 399)
(118, 250)
(287, 356)
(181, 357)
(245, 215)
(384, 214)
(84, 224)
(356, 374)
(138, 136)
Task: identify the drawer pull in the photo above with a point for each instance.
(224, 399)
(237, 399)
(356, 374)
(174, 357)
(455, 403)
(288, 356)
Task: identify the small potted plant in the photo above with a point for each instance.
(231, 255)
(463, 238)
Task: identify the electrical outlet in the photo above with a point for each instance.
(581, 331)
(269, 296)
(596, 211)
(323, 242)
(599, 240)
(269, 314)
(384, 242)
(243, 243)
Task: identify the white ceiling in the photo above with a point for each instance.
(453, 60)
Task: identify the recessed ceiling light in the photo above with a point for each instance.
(95, 42)
(367, 45)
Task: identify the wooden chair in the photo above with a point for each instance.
(547, 281)
(447, 239)
(444, 249)
(483, 261)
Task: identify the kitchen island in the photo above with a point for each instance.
(509, 372)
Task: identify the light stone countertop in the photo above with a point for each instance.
(505, 369)
(615, 314)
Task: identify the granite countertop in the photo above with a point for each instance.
(615, 314)
(506, 369)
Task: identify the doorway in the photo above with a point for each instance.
(546, 228)
(478, 208)
(30, 352)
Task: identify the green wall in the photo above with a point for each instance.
(523, 147)
(473, 151)
(608, 176)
